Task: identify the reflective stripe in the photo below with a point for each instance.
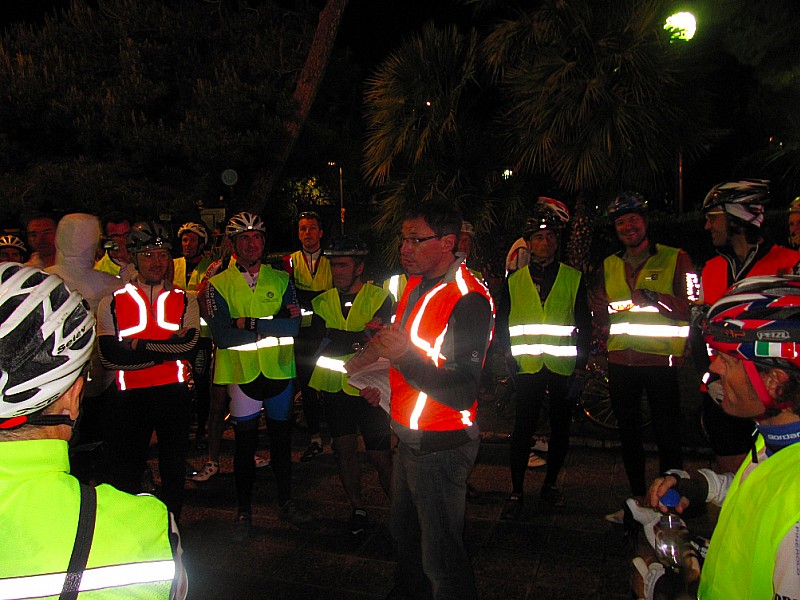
(121, 381)
(305, 313)
(98, 578)
(465, 418)
(332, 364)
(641, 330)
(538, 349)
(140, 303)
(123, 386)
(267, 342)
(541, 329)
(203, 322)
(431, 351)
(628, 305)
(161, 312)
(394, 286)
(419, 406)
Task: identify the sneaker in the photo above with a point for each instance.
(313, 449)
(535, 461)
(513, 508)
(358, 521)
(552, 496)
(261, 462)
(241, 527)
(540, 444)
(289, 512)
(618, 517)
(209, 469)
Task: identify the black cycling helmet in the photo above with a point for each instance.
(627, 202)
(148, 235)
(346, 246)
(46, 338)
(197, 229)
(548, 214)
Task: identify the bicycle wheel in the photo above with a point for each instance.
(596, 404)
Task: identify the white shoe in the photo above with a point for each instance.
(207, 472)
(540, 444)
(535, 461)
(617, 517)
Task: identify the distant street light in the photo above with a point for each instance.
(341, 193)
(682, 26)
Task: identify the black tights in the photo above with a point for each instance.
(530, 393)
(244, 467)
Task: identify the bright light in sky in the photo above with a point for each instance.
(682, 26)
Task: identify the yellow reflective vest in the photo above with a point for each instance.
(271, 356)
(643, 328)
(179, 278)
(756, 515)
(107, 265)
(329, 374)
(544, 336)
(131, 554)
(321, 280)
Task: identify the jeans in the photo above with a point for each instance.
(427, 522)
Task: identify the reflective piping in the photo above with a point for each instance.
(638, 329)
(130, 289)
(121, 380)
(538, 349)
(98, 578)
(331, 364)
(541, 329)
(267, 342)
(161, 313)
(628, 305)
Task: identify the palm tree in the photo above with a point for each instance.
(595, 94)
(429, 133)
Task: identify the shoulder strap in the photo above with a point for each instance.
(83, 543)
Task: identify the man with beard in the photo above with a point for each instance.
(640, 306)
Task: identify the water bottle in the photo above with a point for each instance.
(671, 535)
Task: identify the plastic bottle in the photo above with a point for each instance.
(671, 535)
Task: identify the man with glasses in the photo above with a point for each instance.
(116, 260)
(12, 249)
(436, 346)
(147, 332)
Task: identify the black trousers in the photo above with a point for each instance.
(130, 418)
(626, 384)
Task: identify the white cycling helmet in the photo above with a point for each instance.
(197, 229)
(46, 338)
(242, 223)
(12, 241)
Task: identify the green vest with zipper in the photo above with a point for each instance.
(329, 375)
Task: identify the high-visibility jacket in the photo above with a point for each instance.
(179, 278)
(136, 318)
(756, 515)
(318, 282)
(426, 325)
(131, 553)
(329, 374)
(544, 336)
(777, 261)
(643, 328)
(199, 272)
(271, 356)
(396, 285)
(107, 265)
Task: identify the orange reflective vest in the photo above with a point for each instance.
(136, 318)
(427, 326)
(778, 261)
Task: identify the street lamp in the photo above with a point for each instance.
(341, 193)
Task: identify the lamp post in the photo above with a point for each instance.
(681, 26)
(341, 193)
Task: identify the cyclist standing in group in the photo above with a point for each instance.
(252, 311)
(12, 249)
(311, 273)
(544, 329)
(116, 260)
(640, 305)
(734, 214)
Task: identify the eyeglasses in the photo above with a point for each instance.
(157, 255)
(414, 242)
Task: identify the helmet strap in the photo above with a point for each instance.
(761, 389)
(50, 420)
